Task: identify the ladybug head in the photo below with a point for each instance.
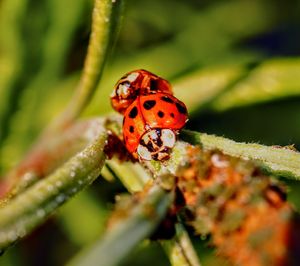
(123, 95)
(135, 83)
(156, 144)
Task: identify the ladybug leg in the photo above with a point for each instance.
(156, 144)
(115, 147)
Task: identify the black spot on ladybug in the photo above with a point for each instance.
(150, 147)
(172, 115)
(149, 104)
(153, 85)
(158, 132)
(142, 142)
(181, 109)
(131, 129)
(160, 114)
(133, 112)
(167, 99)
(158, 142)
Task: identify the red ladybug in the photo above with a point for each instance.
(135, 83)
(151, 124)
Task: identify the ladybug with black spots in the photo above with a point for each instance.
(151, 123)
(135, 83)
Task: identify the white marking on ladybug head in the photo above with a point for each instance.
(156, 144)
(132, 76)
(144, 153)
(124, 90)
(168, 138)
(152, 134)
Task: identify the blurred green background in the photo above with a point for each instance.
(236, 65)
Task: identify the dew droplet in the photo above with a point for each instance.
(60, 198)
(52, 205)
(74, 190)
(58, 183)
(50, 188)
(40, 213)
(72, 174)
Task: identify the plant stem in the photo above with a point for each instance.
(29, 209)
(129, 231)
(48, 155)
(180, 249)
(104, 25)
(277, 160)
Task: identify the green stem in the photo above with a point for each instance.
(139, 223)
(48, 155)
(277, 160)
(104, 25)
(180, 249)
(22, 214)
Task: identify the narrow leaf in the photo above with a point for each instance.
(278, 160)
(118, 242)
(106, 15)
(201, 87)
(49, 154)
(179, 249)
(274, 79)
(20, 216)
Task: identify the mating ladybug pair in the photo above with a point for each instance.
(152, 115)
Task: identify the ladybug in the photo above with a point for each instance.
(151, 124)
(135, 83)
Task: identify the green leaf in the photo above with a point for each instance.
(119, 241)
(50, 153)
(106, 16)
(29, 209)
(179, 249)
(274, 79)
(199, 88)
(133, 176)
(278, 160)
